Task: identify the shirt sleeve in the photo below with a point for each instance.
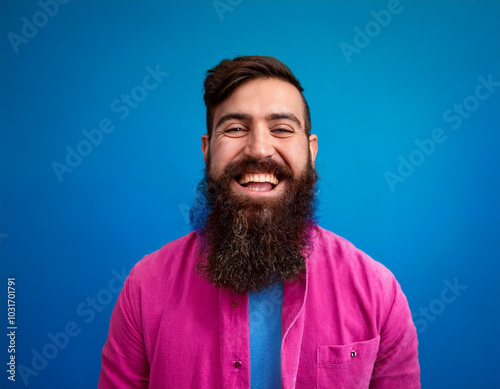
(397, 363)
(124, 361)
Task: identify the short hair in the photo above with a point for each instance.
(224, 78)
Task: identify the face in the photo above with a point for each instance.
(262, 119)
(256, 203)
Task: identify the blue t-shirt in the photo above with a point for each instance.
(264, 316)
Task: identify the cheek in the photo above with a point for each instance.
(296, 156)
(221, 154)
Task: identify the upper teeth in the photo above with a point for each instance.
(245, 178)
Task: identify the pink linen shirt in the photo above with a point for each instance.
(345, 324)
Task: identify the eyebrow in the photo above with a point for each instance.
(247, 117)
(289, 116)
(234, 115)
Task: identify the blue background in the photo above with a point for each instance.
(64, 242)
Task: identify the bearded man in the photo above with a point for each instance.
(258, 295)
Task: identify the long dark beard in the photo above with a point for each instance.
(246, 244)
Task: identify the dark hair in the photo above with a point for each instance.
(224, 78)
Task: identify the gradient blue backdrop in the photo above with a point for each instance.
(64, 242)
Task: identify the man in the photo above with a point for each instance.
(258, 295)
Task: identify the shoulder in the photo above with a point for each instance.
(169, 260)
(341, 253)
(336, 260)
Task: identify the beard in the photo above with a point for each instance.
(247, 243)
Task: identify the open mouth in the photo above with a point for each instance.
(258, 182)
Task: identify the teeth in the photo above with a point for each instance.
(246, 178)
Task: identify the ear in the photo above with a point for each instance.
(205, 146)
(313, 146)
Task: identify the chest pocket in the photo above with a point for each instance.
(348, 366)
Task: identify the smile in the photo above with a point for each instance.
(258, 182)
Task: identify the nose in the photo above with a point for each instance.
(259, 144)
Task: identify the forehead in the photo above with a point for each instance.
(263, 97)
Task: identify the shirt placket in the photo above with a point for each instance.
(234, 336)
(292, 324)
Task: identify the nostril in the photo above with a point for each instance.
(259, 150)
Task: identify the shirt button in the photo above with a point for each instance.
(234, 304)
(353, 354)
(237, 364)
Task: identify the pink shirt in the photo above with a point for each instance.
(345, 324)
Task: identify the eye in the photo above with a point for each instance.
(235, 132)
(282, 131)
